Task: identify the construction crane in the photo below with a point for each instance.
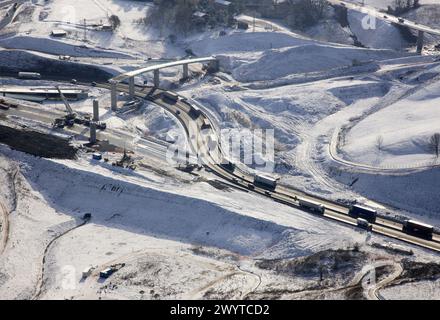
(71, 118)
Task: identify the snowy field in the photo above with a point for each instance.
(404, 129)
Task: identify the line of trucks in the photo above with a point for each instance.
(365, 216)
(5, 105)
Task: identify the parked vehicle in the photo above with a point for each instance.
(29, 75)
(227, 165)
(195, 112)
(419, 229)
(364, 224)
(97, 156)
(265, 181)
(87, 272)
(312, 206)
(206, 124)
(106, 273)
(170, 96)
(358, 211)
(101, 125)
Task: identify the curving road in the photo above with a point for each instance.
(198, 143)
(4, 230)
(385, 17)
(199, 140)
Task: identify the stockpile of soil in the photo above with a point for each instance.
(36, 143)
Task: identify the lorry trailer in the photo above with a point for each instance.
(312, 206)
(419, 229)
(358, 211)
(29, 75)
(265, 181)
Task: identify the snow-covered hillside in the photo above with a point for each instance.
(403, 129)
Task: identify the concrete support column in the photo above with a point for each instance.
(420, 42)
(131, 87)
(185, 71)
(95, 110)
(92, 132)
(156, 78)
(114, 96)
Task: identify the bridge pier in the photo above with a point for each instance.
(156, 78)
(113, 95)
(92, 132)
(420, 42)
(185, 71)
(131, 87)
(95, 110)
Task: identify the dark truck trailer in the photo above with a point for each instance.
(227, 165)
(195, 112)
(29, 75)
(171, 96)
(312, 206)
(419, 229)
(265, 181)
(358, 211)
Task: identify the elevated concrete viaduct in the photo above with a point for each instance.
(156, 75)
(422, 29)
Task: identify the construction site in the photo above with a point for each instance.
(238, 151)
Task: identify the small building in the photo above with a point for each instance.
(199, 15)
(59, 33)
(200, 18)
(107, 27)
(222, 3)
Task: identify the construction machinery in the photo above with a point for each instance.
(125, 162)
(72, 118)
(69, 119)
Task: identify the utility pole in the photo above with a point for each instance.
(85, 30)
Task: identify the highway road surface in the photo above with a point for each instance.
(283, 194)
(385, 16)
(199, 140)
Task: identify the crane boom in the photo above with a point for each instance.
(68, 107)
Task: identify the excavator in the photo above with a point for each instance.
(71, 117)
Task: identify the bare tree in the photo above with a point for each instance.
(379, 143)
(114, 21)
(434, 144)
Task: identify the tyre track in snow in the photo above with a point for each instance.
(4, 215)
(390, 99)
(40, 281)
(307, 147)
(374, 293)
